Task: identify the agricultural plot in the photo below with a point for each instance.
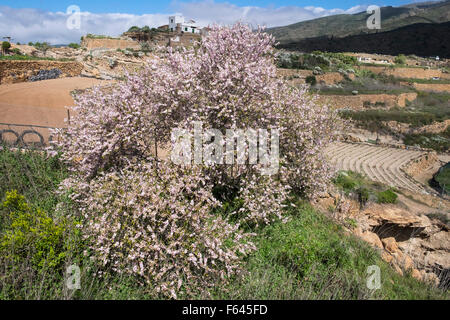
(381, 164)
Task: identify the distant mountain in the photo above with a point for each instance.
(345, 25)
(422, 39)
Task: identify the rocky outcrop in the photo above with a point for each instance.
(421, 164)
(410, 243)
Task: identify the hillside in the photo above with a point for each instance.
(422, 39)
(345, 25)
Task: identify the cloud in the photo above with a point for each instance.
(29, 24)
(26, 25)
(206, 12)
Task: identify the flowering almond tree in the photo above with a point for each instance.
(148, 217)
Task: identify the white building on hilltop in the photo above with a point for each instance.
(177, 23)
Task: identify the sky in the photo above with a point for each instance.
(51, 21)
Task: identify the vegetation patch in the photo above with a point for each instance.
(387, 196)
(357, 186)
(439, 142)
(309, 257)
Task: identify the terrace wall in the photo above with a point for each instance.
(14, 71)
(357, 102)
(123, 44)
(415, 73)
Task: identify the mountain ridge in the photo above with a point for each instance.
(345, 25)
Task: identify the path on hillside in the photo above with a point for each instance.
(378, 163)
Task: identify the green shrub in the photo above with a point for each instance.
(346, 181)
(6, 46)
(44, 46)
(29, 233)
(400, 59)
(74, 45)
(439, 142)
(134, 29)
(443, 178)
(387, 196)
(16, 51)
(363, 195)
(311, 80)
(33, 174)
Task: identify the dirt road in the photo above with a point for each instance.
(40, 103)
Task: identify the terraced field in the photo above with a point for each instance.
(382, 164)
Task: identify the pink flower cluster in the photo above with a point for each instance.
(150, 218)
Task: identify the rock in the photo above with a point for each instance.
(372, 238)
(395, 215)
(438, 241)
(431, 278)
(403, 260)
(46, 75)
(390, 244)
(112, 63)
(386, 257)
(355, 92)
(391, 221)
(326, 203)
(416, 274)
(438, 258)
(397, 269)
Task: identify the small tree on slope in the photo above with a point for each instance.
(228, 81)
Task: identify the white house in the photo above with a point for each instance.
(187, 27)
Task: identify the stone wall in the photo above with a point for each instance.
(330, 78)
(123, 44)
(436, 87)
(20, 71)
(421, 164)
(182, 39)
(293, 72)
(415, 73)
(404, 128)
(357, 102)
(404, 97)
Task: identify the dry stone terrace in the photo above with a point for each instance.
(378, 163)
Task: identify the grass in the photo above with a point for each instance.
(442, 178)
(33, 175)
(438, 142)
(310, 257)
(366, 82)
(387, 196)
(31, 58)
(425, 81)
(363, 190)
(99, 36)
(413, 118)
